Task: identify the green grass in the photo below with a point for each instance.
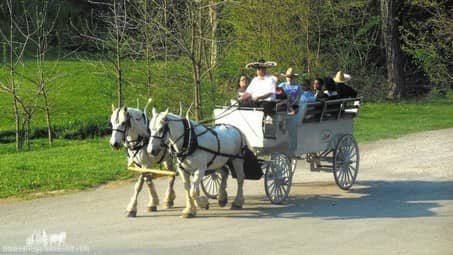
(82, 95)
(391, 120)
(69, 165)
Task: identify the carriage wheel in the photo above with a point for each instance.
(210, 184)
(278, 177)
(346, 162)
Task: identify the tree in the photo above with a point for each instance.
(392, 46)
(191, 28)
(427, 40)
(43, 27)
(16, 51)
(111, 34)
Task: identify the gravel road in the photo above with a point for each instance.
(402, 204)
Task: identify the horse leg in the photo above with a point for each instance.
(170, 195)
(132, 207)
(190, 210)
(222, 197)
(238, 165)
(153, 197)
(200, 201)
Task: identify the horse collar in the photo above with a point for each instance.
(190, 143)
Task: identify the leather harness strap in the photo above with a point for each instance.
(190, 143)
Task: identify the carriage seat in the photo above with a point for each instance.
(331, 110)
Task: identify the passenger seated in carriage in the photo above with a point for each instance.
(261, 91)
(344, 91)
(330, 90)
(292, 90)
(318, 85)
(242, 85)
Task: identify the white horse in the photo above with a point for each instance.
(198, 148)
(130, 129)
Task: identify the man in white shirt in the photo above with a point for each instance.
(261, 91)
(262, 87)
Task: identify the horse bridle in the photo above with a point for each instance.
(126, 124)
(165, 130)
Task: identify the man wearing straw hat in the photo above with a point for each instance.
(261, 91)
(292, 90)
(344, 91)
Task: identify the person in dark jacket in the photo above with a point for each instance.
(344, 91)
(330, 91)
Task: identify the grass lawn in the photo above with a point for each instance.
(391, 120)
(68, 165)
(83, 91)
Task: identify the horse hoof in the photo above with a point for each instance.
(236, 207)
(168, 205)
(223, 203)
(206, 207)
(131, 214)
(187, 215)
(151, 208)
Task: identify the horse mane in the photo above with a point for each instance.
(134, 115)
(134, 112)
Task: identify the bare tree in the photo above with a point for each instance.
(113, 39)
(16, 48)
(194, 35)
(43, 26)
(148, 40)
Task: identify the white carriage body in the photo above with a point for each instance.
(321, 136)
(250, 122)
(318, 128)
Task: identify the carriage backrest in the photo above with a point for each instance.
(332, 110)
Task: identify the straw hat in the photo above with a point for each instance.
(289, 73)
(261, 64)
(347, 77)
(339, 77)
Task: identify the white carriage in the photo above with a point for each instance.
(321, 133)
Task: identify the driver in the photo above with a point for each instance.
(261, 91)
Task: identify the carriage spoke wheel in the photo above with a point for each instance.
(346, 162)
(278, 177)
(210, 184)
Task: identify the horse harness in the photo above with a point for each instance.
(135, 145)
(190, 142)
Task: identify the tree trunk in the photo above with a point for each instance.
(147, 35)
(48, 118)
(12, 78)
(42, 81)
(195, 48)
(213, 47)
(16, 117)
(119, 77)
(393, 54)
(214, 23)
